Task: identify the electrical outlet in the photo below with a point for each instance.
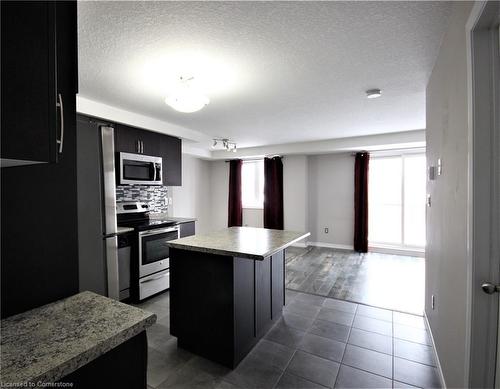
(433, 302)
(326, 230)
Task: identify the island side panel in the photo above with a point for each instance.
(263, 296)
(201, 303)
(244, 307)
(277, 284)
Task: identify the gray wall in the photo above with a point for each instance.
(219, 187)
(295, 192)
(446, 220)
(193, 198)
(318, 193)
(331, 199)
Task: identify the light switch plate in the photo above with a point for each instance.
(439, 167)
(432, 173)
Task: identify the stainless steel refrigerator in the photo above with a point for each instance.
(97, 229)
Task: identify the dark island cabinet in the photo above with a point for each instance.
(36, 92)
(241, 300)
(135, 140)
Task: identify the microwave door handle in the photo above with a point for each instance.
(158, 172)
(152, 171)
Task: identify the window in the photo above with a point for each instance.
(252, 184)
(396, 192)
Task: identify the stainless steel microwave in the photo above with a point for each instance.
(140, 169)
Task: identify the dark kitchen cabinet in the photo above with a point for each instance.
(186, 229)
(33, 92)
(134, 140)
(39, 202)
(171, 151)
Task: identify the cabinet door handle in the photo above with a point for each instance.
(60, 141)
(138, 145)
(142, 147)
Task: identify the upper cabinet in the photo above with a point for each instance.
(134, 140)
(34, 88)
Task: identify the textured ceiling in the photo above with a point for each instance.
(275, 72)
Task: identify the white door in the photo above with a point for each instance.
(484, 194)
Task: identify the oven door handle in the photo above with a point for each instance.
(156, 278)
(158, 231)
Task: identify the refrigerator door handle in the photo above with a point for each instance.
(112, 267)
(109, 180)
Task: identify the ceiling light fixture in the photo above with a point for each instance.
(185, 97)
(226, 144)
(373, 93)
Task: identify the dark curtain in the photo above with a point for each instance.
(361, 166)
(273, 193)
(235, 209)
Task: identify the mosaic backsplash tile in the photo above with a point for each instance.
(154, 195)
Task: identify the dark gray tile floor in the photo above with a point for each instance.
(388, 281)
(349, 346)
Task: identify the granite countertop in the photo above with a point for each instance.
(47, 343)
(246, 242)
(123, 230)
(164, 216)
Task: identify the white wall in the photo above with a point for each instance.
(318, 193)
(446, 250)
(331, 199)
(295, 192)
(253, 217)
(219, 187)
(193, 198)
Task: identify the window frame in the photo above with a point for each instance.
(255, 162)
(402, 154)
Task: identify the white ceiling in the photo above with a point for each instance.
(275, 72)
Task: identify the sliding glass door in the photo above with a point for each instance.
(396, 203)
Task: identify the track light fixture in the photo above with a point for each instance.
(226, 144)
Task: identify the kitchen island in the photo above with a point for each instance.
(227, 288)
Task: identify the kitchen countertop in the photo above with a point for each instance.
(164, 216)
(123, 230)
(47, 343)
(246, 242)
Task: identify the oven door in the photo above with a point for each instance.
(140, 169)
(154, 251)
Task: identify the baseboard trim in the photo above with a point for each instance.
(301, 245)
(331, 245)
(394, 251)
(436, 356)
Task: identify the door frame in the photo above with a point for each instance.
(483, 263)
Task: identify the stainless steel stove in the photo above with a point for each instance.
(153, 252)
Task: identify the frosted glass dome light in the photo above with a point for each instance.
(185, 98)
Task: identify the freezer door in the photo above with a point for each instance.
(111, 245)
(91, 250)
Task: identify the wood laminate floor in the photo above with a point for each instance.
(393, 282)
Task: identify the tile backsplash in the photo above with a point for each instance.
(156, 196)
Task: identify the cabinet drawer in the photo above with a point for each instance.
(153, 284)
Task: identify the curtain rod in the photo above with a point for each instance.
(255, 159)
